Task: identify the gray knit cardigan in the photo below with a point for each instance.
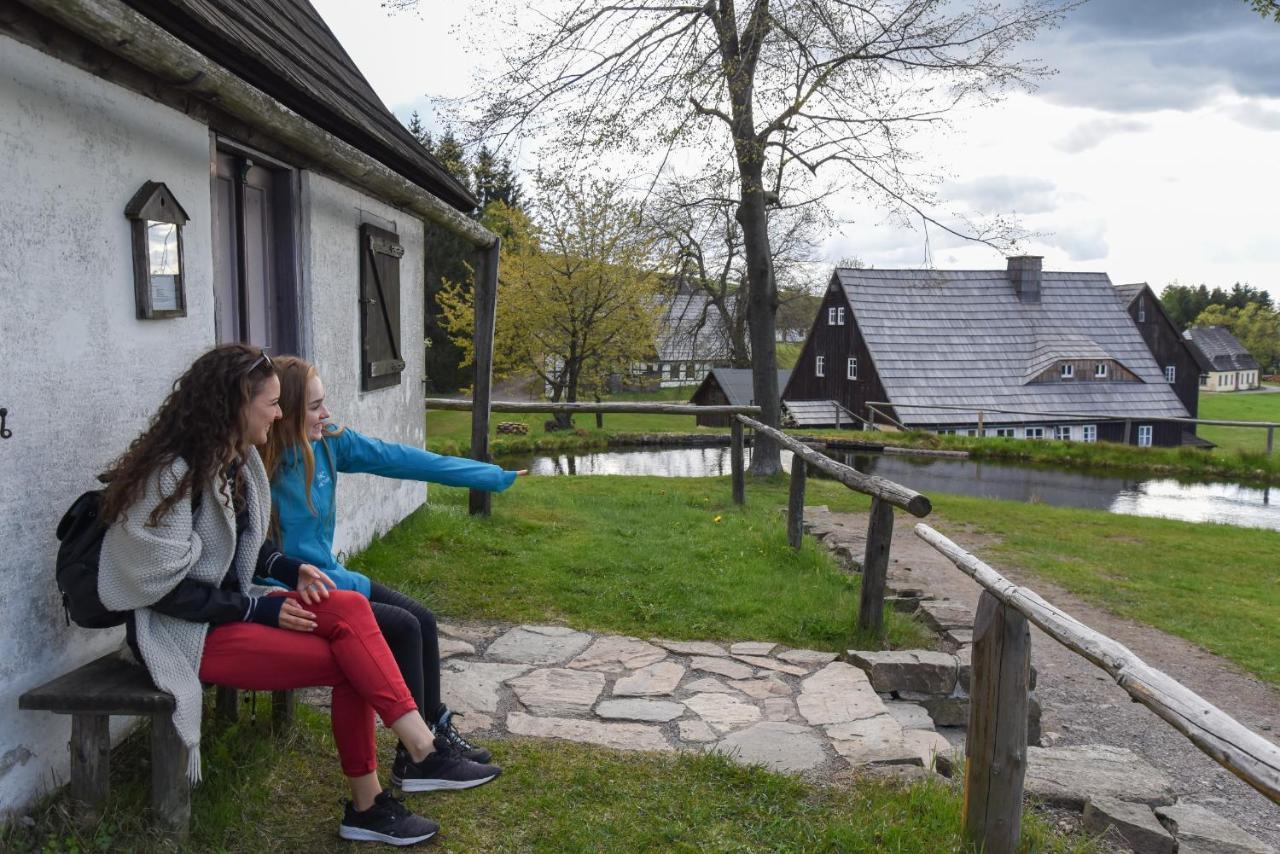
(140, 564)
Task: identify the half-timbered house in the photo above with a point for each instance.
(1018, 353)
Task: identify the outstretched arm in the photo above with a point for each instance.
(354, 452)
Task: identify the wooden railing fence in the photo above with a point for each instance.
(1001, 662)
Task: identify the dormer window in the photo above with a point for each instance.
(1100, 371)
(1068, 371)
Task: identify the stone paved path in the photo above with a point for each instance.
(792, 710)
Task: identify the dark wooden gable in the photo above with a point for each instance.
(1168, 347)
(381, 357)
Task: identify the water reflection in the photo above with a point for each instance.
(1226, 503)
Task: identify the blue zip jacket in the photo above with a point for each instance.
(308, 536)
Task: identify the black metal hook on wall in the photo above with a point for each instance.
(5, 432)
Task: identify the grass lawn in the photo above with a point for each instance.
(670, 557)
(1238, 406)
(263, 794)
(1215, 585)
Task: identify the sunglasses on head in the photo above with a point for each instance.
(260, 360)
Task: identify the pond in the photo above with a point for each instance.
(1225, 503)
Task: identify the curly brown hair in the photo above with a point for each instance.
(199, 423)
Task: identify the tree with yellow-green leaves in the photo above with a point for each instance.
(578, 295)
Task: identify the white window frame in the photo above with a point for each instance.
(1005, 433)
(851, 368)
(947, 431)
(1033, 433)
(971, 432)
(1100, 371)
(1142, 310)
(1170, 374)
(1089, 433)
(1144, 435)
(819, 369)
(1062, 432)
(1068, 371)
(831, 315)
(840, 315)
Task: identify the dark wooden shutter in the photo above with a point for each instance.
(381, 362)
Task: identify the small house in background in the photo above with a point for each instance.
(1231, 368)
(691, 340)
(943, 349)
(179, 174)
(1183, 365)
(728, 387)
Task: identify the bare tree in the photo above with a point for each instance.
(821, 85)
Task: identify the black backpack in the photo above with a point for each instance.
(81, 533)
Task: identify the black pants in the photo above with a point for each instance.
(410, 632)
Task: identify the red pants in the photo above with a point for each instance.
(346, 651)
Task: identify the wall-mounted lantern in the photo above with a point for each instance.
(159, 276)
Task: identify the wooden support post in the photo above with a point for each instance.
(875, 567)
(1128, 430)
(1271, 435)
(795, 504)
(284, 710)
(997, 740)
(486, 311)
(227, 705)
(170, 787)
(736, 461)
(981, 417)
(90, 766)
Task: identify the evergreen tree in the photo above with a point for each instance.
(419, 130)
(495, 180)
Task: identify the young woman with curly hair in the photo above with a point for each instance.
(188, 507)
(303, 457)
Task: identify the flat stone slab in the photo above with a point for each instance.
(919, 670)
(618, 736)
(772, 664)
(722, 667)
(910, 715)
(862, 752)
(1133, 824)
(538, 645)
(752, 648)
(836, 694)
(807, 657)
(780, 709)
(450, 647)
(880, 729)
(476, 635)
(692, 647)
(1071, 776)
(618, 654)
(1201, 830)
(785, 747)
(475, 686)
(558, 690)
(934, 749)
(658, 711)
(696, 730)
(724, 712)
(760, 689)
(944, 614)
(473, 722)
(709, 683)
(652, 681)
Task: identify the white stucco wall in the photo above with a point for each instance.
(78, 373)
(332, 214)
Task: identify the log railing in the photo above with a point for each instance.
(885, 495)
(1001, 661)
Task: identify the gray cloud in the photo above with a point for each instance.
(1095, 132)
(1141, 55)
(1084, 242)
(1255, 115)
(998, 194)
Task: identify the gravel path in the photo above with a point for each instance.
(1082, 705)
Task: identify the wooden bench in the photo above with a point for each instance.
(112, 685)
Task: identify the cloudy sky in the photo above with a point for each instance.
(1148, 156)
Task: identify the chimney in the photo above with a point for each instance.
(1025, 274)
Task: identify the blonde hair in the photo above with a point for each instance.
(290, 432)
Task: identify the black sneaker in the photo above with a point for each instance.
(388, 820)
(443, 769)
(444, 729)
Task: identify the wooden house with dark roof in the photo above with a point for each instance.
(1182, 364)
(728, 387)
(179, 174)
(947, 349)
(1230, 366)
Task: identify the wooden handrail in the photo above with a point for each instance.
(1076, 415)
(1244, 753)
(650, 407)
(877, 487)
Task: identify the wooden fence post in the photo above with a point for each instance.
(795, 505)
(1271, 435)
(485, 290)
(284, 710)
(170, 787)
(981, 431)
(736, 461)
(875, 566)
(227, 707)
(996, 747)
(1128, 430)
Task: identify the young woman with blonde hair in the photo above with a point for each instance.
(188, 507)
(303, 458)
